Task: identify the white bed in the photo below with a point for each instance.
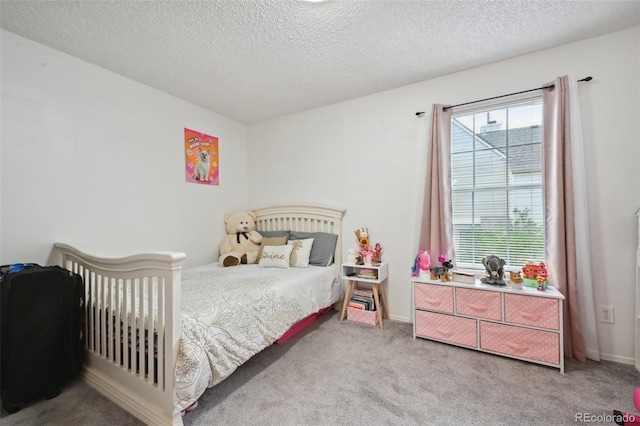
(206, 321)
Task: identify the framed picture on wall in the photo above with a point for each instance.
(201, 158)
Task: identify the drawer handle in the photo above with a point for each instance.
(534, 316)
(518, 347)
(433, 301)
(479, 307)
(445, 332)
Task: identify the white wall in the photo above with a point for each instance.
(89, 156)
(92, 157)
(367, 155)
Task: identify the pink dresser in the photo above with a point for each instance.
(525, 324)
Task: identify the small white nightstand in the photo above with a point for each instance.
(352, 273)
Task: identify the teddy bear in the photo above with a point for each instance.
(242, 242)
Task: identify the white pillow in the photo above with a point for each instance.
(275, 256)
(301, 252)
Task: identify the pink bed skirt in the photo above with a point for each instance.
(301, 325)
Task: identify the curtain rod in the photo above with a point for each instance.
(419, 113)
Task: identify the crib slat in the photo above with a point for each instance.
(87, 310)
(103, 316)
(117, 322)
(134, 329)
(110, 319)
(149, 347)
(92, 316)
(161, 331)
(124, 343)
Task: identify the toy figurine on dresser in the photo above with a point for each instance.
(421, 265)
(495, 270)
(364, 252)
(377, 255)
(442, 272)
(536, 275)
(515, 280)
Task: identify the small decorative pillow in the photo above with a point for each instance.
(301, 252)
(275, 256)
(271, 241)
(275, 234)
(324, 245)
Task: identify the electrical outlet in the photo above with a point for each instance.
(607, 315)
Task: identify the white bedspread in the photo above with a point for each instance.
(230, 314)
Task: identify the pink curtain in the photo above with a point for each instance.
(559, 211)
(436, 233)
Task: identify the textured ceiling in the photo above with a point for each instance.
(252, 60)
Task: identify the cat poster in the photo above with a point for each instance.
(201, 158)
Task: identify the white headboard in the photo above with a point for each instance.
(302, 218)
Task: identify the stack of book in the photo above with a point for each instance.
(363, 300)
(368, 273)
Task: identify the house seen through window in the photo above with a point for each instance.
(496, 172)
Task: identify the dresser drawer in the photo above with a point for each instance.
(447, 328)
(479, 303)
(433, 297)
(520, 342)
(529, 310)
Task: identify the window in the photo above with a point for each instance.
(496, 173)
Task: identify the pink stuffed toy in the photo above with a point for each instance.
(424, 262)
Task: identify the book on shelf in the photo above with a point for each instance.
(367, 303)
(364, 299)
(371, 274)
(356, 305)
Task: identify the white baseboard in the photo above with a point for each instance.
(595, 355)
(617, 358)
(399, 318)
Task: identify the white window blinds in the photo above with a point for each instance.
(496, 172)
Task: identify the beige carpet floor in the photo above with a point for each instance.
(347, 374)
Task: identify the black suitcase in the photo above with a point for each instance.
(42, 326)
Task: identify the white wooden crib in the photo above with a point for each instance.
(133, 363)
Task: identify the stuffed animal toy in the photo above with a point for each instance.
(363, 238)
(424, 262)
(415, 268)
(516, 277)
(515, 280)
(448, 266)
(495, 270)
(442, 272)
(421, 265)
(242, 242)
